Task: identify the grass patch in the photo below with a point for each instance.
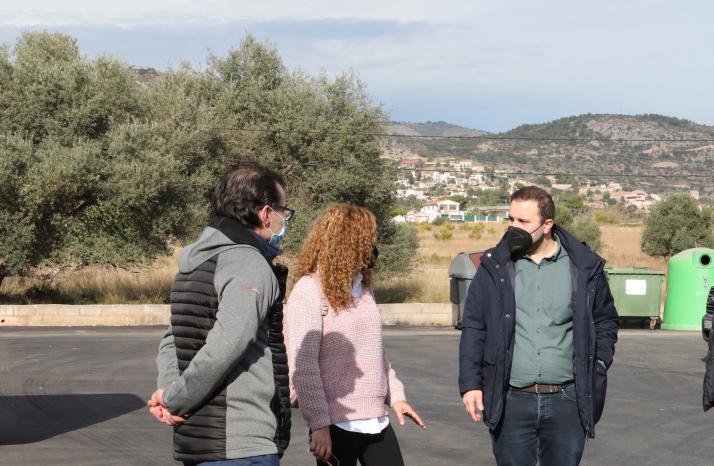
(434, 259)
(429, 283)
(95, 285)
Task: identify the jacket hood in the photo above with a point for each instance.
(221, 235)
(209, 243)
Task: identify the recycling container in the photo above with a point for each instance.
(461, 271)
(637, 293)
(690, 275)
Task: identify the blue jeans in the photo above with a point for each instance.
(538, 427)
(263, 460)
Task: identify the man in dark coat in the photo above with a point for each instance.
(539, 333)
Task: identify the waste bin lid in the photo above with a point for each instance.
(632, 271)
(465, 263)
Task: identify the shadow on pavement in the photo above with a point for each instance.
(33, 418)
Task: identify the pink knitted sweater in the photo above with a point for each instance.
(337, 362)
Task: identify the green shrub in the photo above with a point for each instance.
(443, 234)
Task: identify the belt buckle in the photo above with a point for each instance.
(536, 389)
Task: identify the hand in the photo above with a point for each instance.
(160, 412)
(402, 408)
(473, 403)
(158, 397)
(321, 444)
(163, 416)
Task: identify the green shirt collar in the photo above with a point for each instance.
(558, 254)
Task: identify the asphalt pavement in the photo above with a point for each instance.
(76, 397)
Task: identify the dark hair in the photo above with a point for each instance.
(546, 207)
(244, 189)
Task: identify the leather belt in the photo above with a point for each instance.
(542, 388)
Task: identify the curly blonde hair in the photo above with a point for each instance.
(340, 245)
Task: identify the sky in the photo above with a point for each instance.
(490, 65)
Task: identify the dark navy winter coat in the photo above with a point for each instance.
(488, 329)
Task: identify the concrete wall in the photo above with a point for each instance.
(433, 314)
(416, 314)
(87, 315)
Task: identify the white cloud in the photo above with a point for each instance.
(520, 60)
(134, 12)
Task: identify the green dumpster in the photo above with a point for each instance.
(690, 275)
(637, 292)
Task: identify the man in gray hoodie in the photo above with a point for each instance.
(223, 376)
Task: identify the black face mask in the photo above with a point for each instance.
(373, 261)
(520, 241)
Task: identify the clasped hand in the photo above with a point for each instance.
(160, 412)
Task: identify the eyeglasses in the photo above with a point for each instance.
(288, 211)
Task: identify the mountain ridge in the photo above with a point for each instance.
(647, 151)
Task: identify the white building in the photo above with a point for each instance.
(430, 208)
(421, 217)
(421, 195)
(448, 207)
(441, 177)
(475, 179)
(457, 217)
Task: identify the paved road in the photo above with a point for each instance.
(76, 397)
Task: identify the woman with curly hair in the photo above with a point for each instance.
(340, 373)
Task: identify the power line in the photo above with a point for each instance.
(533, 173)
(490, 137)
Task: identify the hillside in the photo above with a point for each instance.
(430, 128)
(610, 148)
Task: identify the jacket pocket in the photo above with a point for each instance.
(599, 391)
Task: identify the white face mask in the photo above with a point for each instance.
(357, 286)
(277, 238)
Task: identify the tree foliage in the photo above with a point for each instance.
(98, 167)
(588, 232)
(572, 215)
(676, 224)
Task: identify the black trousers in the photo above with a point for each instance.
(369, 449)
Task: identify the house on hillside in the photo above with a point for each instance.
(447, 207)
(498, 211)
(464, 165)
(614, 186)
(414, 216)
(421, 195)
(441, 177)
(637, 198)
(458, 217)
(431, 207)
(475, 179)
(412, 163)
